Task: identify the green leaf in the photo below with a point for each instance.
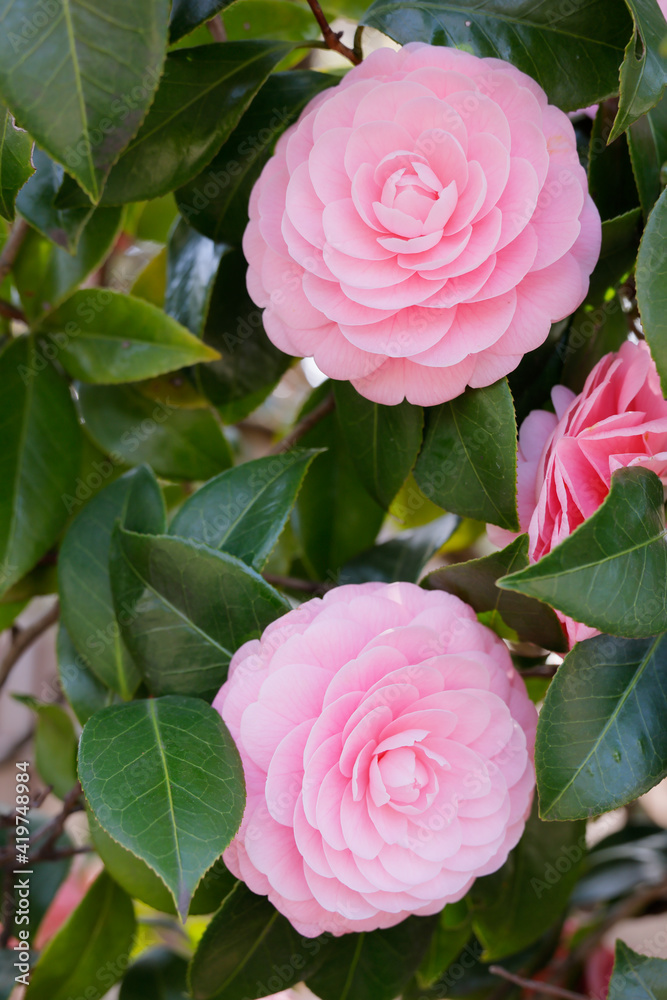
(468, 462)
(573, 51)
(92, 947)
(647, 140)
(651, 277)
(55, 748)
(643, 75)
(186, 15)
(85, 693)
(15, 162)
(475, 583)
(176, 758)
(452, 933)
(620, 240)
(110, 337)
(84, 582)
(141, 882)
(611, 182)
(46, 274)
(192, 264)
(601, 741)
(215, 202)
(201, 97)
(516, 905)
(383, 441)
(249, 950)
(611, 572)
(70, 91)
(9, 612)
(403, 557)
(243, 511)
(188, 609)
(352, 518)
(133, 428)
(158, 974)
(375, 966)
(40, 458)
(637, 977)
(35, 202)
(250, 365)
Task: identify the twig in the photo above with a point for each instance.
(11, 312)
(294, 583)
(25, 639)
(217, 29)
(11, 752)
(533, 984)
(49, 834)
(543, 670)
(57, 853)
(12, 246)
(356, 45)
(331, 37)
(321, 410)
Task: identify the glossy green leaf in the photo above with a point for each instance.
(573, 51)
(593, 333)
(201, 97)
(84, 582)
(192, 264)
(375, 966)
(40, 458)
(475, 583)
(601, 740)
(643, 70)
(141, 882)
(611, 182)
(647, 140)
(514, 906)
(243, 511)
(133, 428)
(158, 974)
(468, 462)
(335, 518)
(164, 779)
(35, 202)
(651, 278)
(15, 162)
(70, 92)
(151, 283)
(611, 572)
(383, 441)
(249, 950)
(637, 977)
(45, 274)
(282, 19)
(9, 612)
(250, 365)
(93, 946)
(186, 15)
(452, 932)
(189, 608)
(84, 691)
(110, 337)
(215, 202)
(403, 557)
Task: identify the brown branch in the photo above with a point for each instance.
(11, 312)
(217, 29)
(331, 37)
(25, 639)
(534, 984)
(57, 853)
(49, 834)
(12, 246)
(322, 410)
(294, 583)
(543, 670)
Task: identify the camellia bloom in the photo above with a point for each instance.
(566, 459)
(421, 225)
(387, 742)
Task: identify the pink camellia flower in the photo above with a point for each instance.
(566, 459)
(421, 225)
(387, 742)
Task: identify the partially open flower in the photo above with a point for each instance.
(422, 225)
(387, 744)
(566, 458)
